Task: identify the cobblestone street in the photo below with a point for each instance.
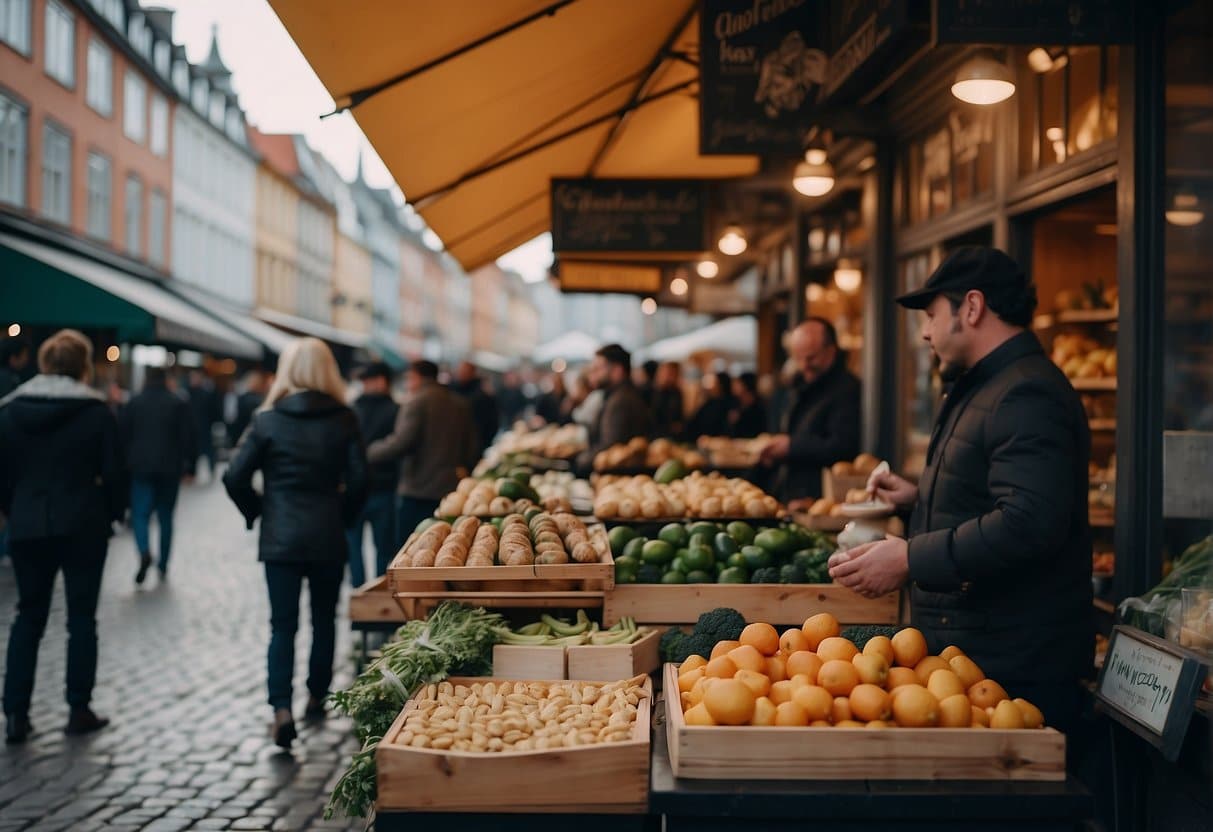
(182, 677)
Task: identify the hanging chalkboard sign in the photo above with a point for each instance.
(1150, 685)
(629, 215)
(1034, 22)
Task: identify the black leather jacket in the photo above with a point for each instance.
(309, 450)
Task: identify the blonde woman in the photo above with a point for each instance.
(308, 447)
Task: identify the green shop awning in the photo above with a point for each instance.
(47, 286)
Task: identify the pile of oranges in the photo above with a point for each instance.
(813, 677)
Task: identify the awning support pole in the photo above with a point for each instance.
(348, 102)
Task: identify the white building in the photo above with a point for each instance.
(317, 233)
(379, 215)
(214, 180)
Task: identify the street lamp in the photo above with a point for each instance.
(983, 81)
(732, 242)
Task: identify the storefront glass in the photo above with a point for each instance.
(1067, 99)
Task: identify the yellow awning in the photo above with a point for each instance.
(479, 121)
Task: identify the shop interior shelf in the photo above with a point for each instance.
(1088, 316)
(1102, 424)
(1093, 384)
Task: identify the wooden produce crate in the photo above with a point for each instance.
(615, 661)
(601, 779)
(373, 603)
(532, 661)
(772, 603)
(757, 753)
(835, 488)
(821, 522)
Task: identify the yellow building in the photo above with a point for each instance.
(277, 212)
(352, 284)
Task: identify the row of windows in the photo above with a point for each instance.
(208, 256)
(211, 165)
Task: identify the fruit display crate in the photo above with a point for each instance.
(373, 603)
(649, 526)
(835, 487)
(581, 661)
(784, 753)
(780, 604)
(612, 778)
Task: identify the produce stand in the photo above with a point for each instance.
(775, 603)
(373, 609)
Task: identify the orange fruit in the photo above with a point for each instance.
(980, 718)
(764, 712)
(692, 663)
(695, 694)
(747, 657)
(1007, 715)
(722, 648)
(818, 628)
(850, 723)
(909, 647)
(872, 667)
(730, 702)
(899, 676)
(839, 677)
(762, 636)
(950, 652)
(777, 668)
(698, 715)
(781, 692)
(755, 681)
(1032, 717)
(721, 667)
(687, 680)
(804, 662)
(968, 671)
(915, 707)
(955, 711)
(945, 683)
(816, 701)
(821, 723)
(792, 640)
(801, 680)
(870, 702)
(880, 646)
(840, 711)
(790, 714)
(987, 693)
(877, 723)
(929, 665)
(836, 647)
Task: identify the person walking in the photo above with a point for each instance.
(158, 435)
(205, 411)
(307, 445)
(748, 418)
(435, 440)
(468, 384)
(14, 359)
(376, 411)
(62, 486)
(247, 401)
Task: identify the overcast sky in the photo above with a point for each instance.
(281, 94)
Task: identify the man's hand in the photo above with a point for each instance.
(776, 450)
(890, 488)
(873, 569)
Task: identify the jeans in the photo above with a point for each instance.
(409, 512)
(285, 581)
(35, 565)
(156, 493)
(380, 512)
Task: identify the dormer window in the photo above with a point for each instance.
(200, 96)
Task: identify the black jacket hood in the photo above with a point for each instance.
(45, 402)
(308, 404)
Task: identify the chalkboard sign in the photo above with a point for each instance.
(625, 215)
(1149, 685)
(624, 278)
(1034, 22)
(761, 67)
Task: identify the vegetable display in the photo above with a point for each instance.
(513, 540)
(696, 495)
(557, 632)
(713, 627)
(641, 453)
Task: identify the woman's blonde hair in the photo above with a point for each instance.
(305, 364)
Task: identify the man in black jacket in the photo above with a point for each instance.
(624, 415)
(205, 411)
(159, 438)
(376, 411)
(821, 424)
(999, 551)
(468, 384)
(61, 485)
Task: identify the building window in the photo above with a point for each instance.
(100, 83)
(161, 57)
(12, 152)
(1068, 103)
(60, 44)
(157, 216)
(159, 141)
(111, 10)
(134, 216)
(200, 96)
(14, 24)
(98, 220)
(56, 174)
(134, 107)
(139, 35)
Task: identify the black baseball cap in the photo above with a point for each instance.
(969, 267)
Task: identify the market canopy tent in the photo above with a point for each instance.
(474, 105)
(571, 346)
(732, 338)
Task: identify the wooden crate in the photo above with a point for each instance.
(772, 603)
(615, 661)
(821, 522)
(753, 753)
(373, 602)
(612, 778)
(529, 661)
(835, 488)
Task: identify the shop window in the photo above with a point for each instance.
(1067, 99)
(134, 216)
(60, 44)
(14, 24)
(919, 381)
(948, 166)
(56, 173)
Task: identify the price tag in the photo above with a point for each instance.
(1149, 685)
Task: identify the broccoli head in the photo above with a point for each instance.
(721, 624)
(860, 634)
(671, 644)
(677, 646)
(765, 575)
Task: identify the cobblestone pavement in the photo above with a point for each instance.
(182, 677)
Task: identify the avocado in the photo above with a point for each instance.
(515, 490)
(741, 531)
(735, 561)
(627, 562)
(699, 557)
(724, 545)
(657, 552)
(673, 577)
(775, 541)
(649, 574)
(619, 537)
(700, 576)
(634, 546)
(734, 575)
(756, 557)
(674, 534)
(669, 471)
(703, 527)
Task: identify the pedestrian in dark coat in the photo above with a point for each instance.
(61, 486)
(308, 447)
(669, 418)
(999, 552)
(158, 435)
(247, 402)
(624, 415)
(749, 417)
(14, 361)
(376, 411)
(470, 386)
(712, 417)
(205, 410)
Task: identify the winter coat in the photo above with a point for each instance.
(61, 471)
(435, 440)
(309, 450)
(749, 421)
(158, 434)
(623, 417)
(822, 422)
(376, 417)
(484, 409)
(1000, 545)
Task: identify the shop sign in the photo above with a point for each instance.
(626, 278)
(761, 67)
(1033, 22)
(1149, 685)
(859, 31)
(660, 215)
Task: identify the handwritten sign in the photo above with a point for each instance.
(1150, 686)
(641, 215)
(636, 279)
(1033, 21)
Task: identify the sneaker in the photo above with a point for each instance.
(283, 729)
(84, 721)
(17, 729)
(315, 709)
(145, 563)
